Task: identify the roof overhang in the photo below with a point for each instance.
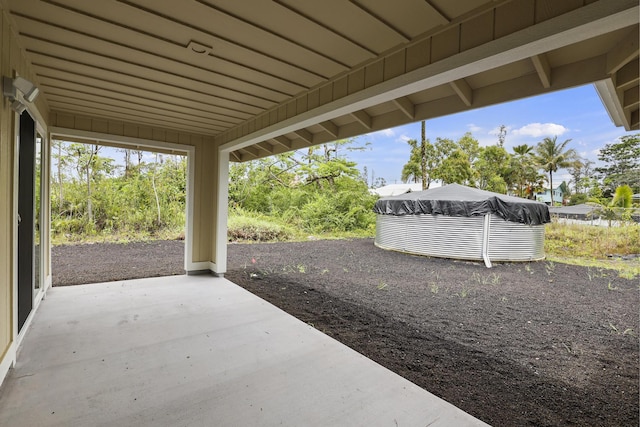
(259, 78)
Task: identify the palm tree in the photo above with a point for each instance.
(521, 167)
(551, 155)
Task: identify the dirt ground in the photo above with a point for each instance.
(526, 344)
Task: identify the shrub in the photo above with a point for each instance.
(242, 227)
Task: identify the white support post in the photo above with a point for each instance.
(219, 266)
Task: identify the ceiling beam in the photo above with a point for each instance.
(625, 50)
(464, 91)
(283, 141)
(635, 120)
(330, 127)
(236, 156)
(439, 10)
(589, 21)
(405, 105)
(541, 64)
(631, 98)
(382, 20)
(324, 27)
(628, 76)
(304, 134)
(363, 118)
(251, 151)
(263, 146)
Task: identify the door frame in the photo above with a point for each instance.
(45, 284)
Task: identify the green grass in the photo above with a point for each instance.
(243, 227)
(593, 246)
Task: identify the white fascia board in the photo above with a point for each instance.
(607, 93)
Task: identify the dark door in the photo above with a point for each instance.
(26, 186)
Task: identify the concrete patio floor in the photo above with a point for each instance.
(197, 351)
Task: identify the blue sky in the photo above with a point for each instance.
(576, 114)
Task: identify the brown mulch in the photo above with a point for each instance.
(523, 344)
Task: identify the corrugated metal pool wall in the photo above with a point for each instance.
(459, 237)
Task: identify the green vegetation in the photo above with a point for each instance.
(551, 155)
(287, 197)
(594, 246)
(318, 193)
(93, 199)
(622, 164)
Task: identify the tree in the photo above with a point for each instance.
(525, 178)
(420, 154)
(322, 166)
(60, 160)
(411, 170)
(552, 155)
(623, 163)
(453, 163)
(422, 160)
(580, 170)
(423, 157)
(456, 169)
(88, 166)
(502, 133)
(492, 167)
(380, 182)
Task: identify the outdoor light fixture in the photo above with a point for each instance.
(10, 88)
(18, 106)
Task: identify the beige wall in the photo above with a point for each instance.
(12, 62)
(6, 197)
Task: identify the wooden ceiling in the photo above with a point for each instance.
(270, 73)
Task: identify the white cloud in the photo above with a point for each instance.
(403, 138)
(537, 130)
(473, 128)
(386, 133)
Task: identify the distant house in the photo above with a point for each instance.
(545, 196)
(396, 189)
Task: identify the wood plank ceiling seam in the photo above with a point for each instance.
(383, 21)
(223, 92)
(200, 95)
(227, 40)
(327, 28)
(279, 34)
(63, 99)
(138, 34)
(133, 100)
(197, 32)
(222, 113)
(79, 108)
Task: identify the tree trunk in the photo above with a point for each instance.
(60, 206)
(89, 205)
(155, 190)
(551, 185)
(89, 170)
(127, 162)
